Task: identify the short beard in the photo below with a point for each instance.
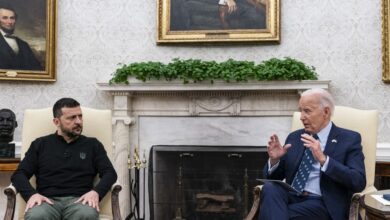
(8, 31)
(69, 133)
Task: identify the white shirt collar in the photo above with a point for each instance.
(324, 133)
(2, 32)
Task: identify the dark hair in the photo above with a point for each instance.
(61, 103)
(9, 7)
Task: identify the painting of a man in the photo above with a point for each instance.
(187, 15)
(15, 53)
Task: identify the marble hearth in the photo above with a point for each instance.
(219, 114)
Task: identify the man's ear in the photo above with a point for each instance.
(327, 111)
(16, 124)
(56, 121)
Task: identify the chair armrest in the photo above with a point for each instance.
(254, 212)
(354, 208)
(355, 203)
(10, 192)
(116, 213)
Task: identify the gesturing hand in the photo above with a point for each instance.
(275, 149)
(36, 199)
(315, 147)
(91, 199)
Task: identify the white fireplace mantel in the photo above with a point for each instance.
(165, 86)
(253, 98)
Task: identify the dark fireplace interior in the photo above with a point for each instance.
(203, 182)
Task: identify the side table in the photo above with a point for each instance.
(9, 164)
(374, 209)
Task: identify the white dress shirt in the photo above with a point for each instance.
(11, 42)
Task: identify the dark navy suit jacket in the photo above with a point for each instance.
(344, 176)
(24, 60)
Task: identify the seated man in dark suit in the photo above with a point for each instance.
(334, 166)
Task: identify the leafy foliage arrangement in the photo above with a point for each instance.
(194, 70)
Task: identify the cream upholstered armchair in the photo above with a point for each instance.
(37, 123)
(363, 121)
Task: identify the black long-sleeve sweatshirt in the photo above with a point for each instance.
(64, 169)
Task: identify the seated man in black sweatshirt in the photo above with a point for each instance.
(64, 164)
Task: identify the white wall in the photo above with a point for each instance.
(342, 39)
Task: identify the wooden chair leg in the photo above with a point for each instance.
(10, 192)
(254, 212)
(116, 213)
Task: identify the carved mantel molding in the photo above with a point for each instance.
(205, 98)
(165, 86)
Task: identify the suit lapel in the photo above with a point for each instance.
(331, 143)
(298, 153)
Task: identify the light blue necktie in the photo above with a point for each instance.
(304, 170)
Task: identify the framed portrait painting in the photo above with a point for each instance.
(28, 40)
(189, 21)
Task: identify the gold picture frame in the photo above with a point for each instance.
(385, 41)
(205, 21)
(34, 58)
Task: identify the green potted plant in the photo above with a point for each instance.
(195, 70)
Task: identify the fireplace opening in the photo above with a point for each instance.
(203, 182)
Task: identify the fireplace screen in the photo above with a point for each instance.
(203, 182)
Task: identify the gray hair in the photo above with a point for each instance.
(326, 99)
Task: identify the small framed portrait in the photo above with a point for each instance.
(28, 40)
(189, 21)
